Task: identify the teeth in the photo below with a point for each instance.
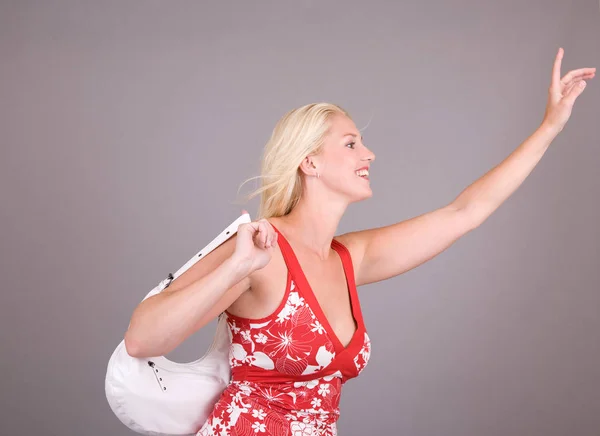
(362, 173)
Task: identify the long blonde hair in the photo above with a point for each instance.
(299, 133)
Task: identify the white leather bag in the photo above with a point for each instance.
(156, 396)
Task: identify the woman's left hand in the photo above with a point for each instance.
(563, 93)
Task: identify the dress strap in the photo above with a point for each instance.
(304, 288)
(344, 254)
(291, 261)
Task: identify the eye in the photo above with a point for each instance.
(351, 144)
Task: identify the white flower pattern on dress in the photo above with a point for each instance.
(361, 359)
(317, 327)
(293, 342)
(260, 338)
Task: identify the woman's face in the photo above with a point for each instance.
(343, 164)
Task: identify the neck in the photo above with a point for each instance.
(313, 223)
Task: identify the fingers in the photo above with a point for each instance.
(556, 68)
(577, 75)
(265, 235)
(568, 89)
(260, 237)
(272, 235)
(569, 85)
(574, 92)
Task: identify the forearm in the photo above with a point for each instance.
(485, 195)
(162, 322)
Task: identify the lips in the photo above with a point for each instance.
(363, 173)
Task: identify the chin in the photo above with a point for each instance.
(363, 196)
(353, 193)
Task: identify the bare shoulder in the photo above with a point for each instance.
(267, 287)
(355, 244)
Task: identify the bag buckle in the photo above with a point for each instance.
(169, 279)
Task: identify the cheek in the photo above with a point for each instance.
(342, 179)
(340, 165)
(339, 169)
(341, 172)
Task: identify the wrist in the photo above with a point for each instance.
(549, 128)
(237, 269)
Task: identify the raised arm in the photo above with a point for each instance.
(385, 252)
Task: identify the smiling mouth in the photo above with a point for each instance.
(363, 174)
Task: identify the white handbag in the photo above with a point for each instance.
(156, 396)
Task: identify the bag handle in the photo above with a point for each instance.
(220, 239)
(226, 234)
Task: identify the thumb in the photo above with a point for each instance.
(574, 92)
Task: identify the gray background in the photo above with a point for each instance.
(127, 127)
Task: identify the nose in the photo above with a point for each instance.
(370, 156)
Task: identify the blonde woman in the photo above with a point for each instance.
(287, 283)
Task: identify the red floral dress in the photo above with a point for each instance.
(287, 369)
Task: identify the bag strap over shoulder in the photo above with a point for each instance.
(220, 239)
(226, 234)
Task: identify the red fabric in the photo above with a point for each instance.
(288, 368)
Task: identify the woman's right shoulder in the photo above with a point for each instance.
(267, 287)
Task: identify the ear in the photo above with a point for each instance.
(309, 166)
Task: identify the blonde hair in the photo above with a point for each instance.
(299, 133)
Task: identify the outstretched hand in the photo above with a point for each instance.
(563, 92)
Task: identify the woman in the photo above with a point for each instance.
(288, 285)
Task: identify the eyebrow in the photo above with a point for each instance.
(352, 134)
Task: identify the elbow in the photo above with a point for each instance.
(469, 218)
(141, 349)
(133, 346)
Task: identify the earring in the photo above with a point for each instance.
(313, 165)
